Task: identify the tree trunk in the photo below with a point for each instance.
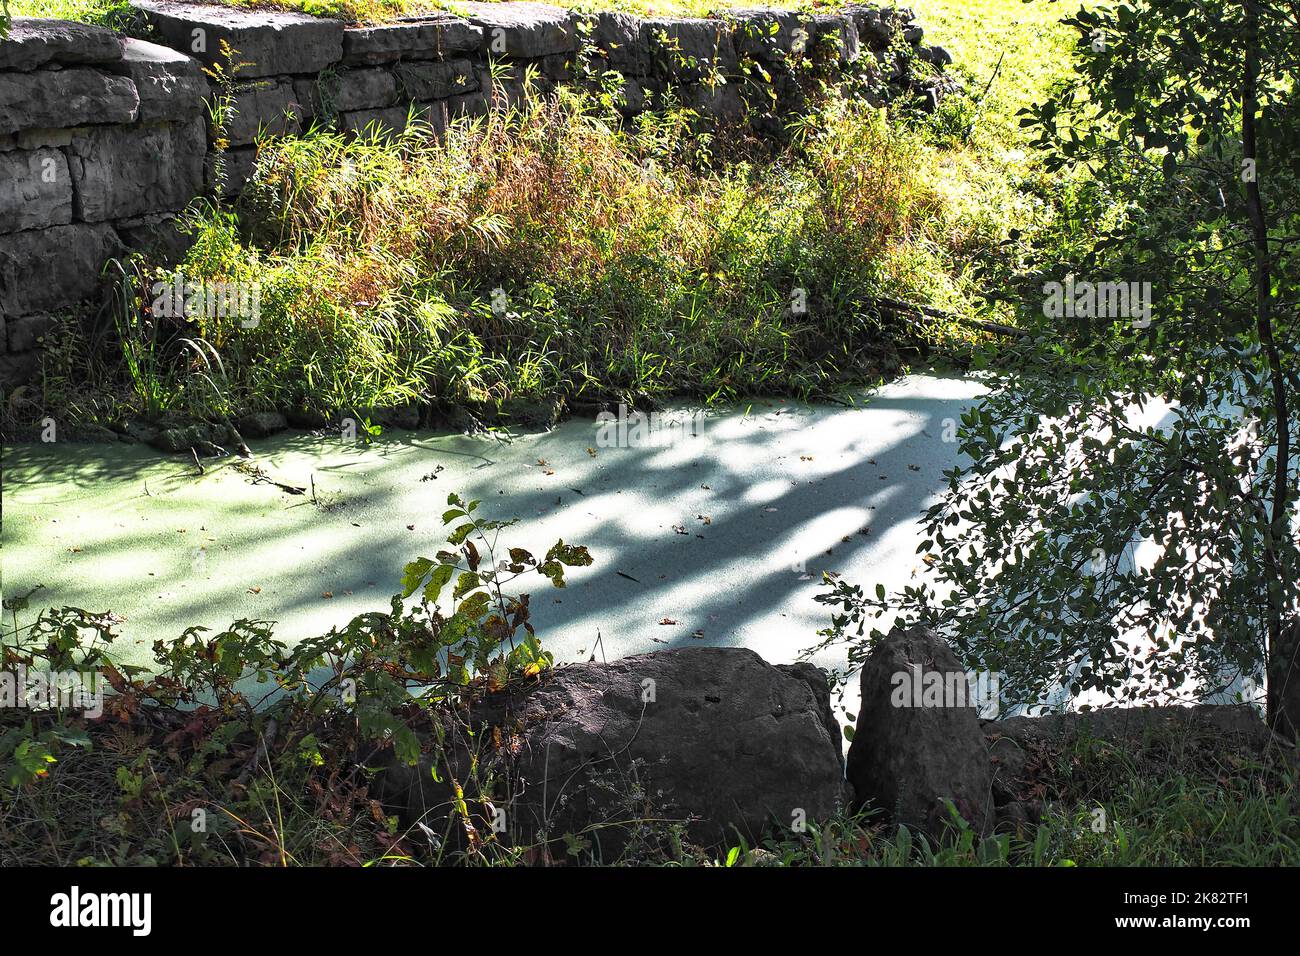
(1283, 683)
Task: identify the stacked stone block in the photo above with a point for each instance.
(101, 143)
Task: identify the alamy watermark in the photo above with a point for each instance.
(978, 689)
(1076, 298)
(181, 298)
(52, 690)
(637, 429)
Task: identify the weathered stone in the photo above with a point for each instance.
(909, 756)
(33, 42)
(632, 97)
(42, 270)
(263, 107)
(768, 35)
(524, 30)
(729, 743)
(431, 39)
(25, 332)
(833, 34)
(17, 369)
(170, 85)
(936, 55)
(236, 169)
(159, 238)
(468, 104)
(619, 36)
(44, 138)
(35, 190)
(720, 103)
(369, 123)
(691, 49)
(269, 42)
(119, 172)
(434, 81)
(57, 99)
(261, 424)
(874, 31)
(202, 438)
(435, 115)
(1017, 744)
(354, 90)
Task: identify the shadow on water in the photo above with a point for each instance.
(725, 533)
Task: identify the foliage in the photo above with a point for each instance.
(1125, 526)
(216, 703)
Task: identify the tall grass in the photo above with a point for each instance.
(549, 252)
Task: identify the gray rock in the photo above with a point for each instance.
(261, 424)
(619, 36)
(910, 755)
(25, 332)
(435, 114)
(201, 437)
(269, 42)
(430, 39)
(469, 104)
(691, 49)
(874, 31)
(1015, 744)
(263, 106)
(368, 123)
(42, 270)
(170, 85)
(348, 90)
(237, 169)
(835, 34)
(35, 190)
(767, 35)
(434, 81)
(728, 742)
(34, 42)
(41, 138)
(525, 30)
(720, 103)
(16, 370)
(58, 99)
(122, 172)
(158, 237)
(935, 54)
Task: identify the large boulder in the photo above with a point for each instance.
(713, 736)
(525, 30)
(269, 42)
(35, 190)
(428, 39)
(170, 85)
(33, 42)
(119, 172)
(42, 270)
(59, 99)
(914, 751)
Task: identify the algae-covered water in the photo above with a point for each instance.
(720, 523)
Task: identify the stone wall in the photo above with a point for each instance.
(104, 139)
(101, 141)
